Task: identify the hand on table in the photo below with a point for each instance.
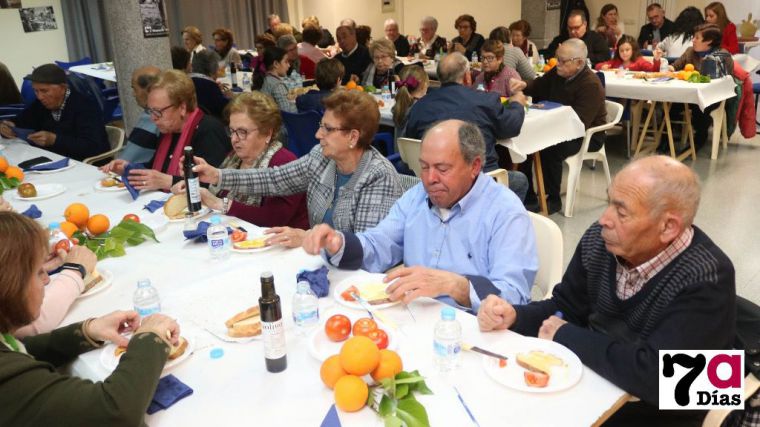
(458, 47)
(42, 138)
(322, 236)
(495, 314)
(550, 327)
(518, 97)
(116, 166)
(415, 282)
(54, 260)
(5, 129)
(149, 179)
(285, 236)
(5, 206)
(161, 325)
(516, 85)
(605, 67)
(111, 327)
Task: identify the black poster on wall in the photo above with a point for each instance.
(153, 18)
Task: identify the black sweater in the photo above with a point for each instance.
(598, 50)
(690, 304)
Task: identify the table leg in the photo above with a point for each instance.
(637, 107)
(718, 116)
(689, 132)
(540, 183)
(666, 113)
(614, 408)
(644, 129)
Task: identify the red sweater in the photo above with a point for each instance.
(730, 42)
(275, 211)
(640, 64)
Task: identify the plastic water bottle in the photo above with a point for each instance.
(385, 94)
(474, 57)
(663, 65)
(481, 88)
(246, 80)
(146, 298)
(55, 235)
(447, 341)
(305, 309)
(218, 239)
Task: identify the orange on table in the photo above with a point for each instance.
(351, 84)
(390, 365)
(359, 355)
(547, 68)
(552, 62)
(3, 164)
(69, 228)
(350, 393)
(331, 371)
(14, 172)
(359, 88)
(688, 67)
(98, 224)
(77, 213)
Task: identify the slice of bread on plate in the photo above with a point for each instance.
(179, 349)
(91, 280)
(245, 324)
(175, 206)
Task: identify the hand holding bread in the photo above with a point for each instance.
(111, 327)
(164, 326)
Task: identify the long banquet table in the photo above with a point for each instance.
(236, 389)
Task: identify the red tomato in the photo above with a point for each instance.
(379, 337)
(364, 326)
(536, 379)
(238, 236)
(63, 244)
(346, 295)
(502, 363)
(131, 217)
(338, 328)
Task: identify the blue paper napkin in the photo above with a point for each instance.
(50, 166)
(546, 105)
(154, 205)
(331, 419)
(125, 178)
(32, 212)
(317, 280)
(22, 133)
(199, 234)
(170, 390)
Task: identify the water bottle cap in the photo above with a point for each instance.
(54, 225)
(303, 286)
(216, 220)
(143, 282)
(448, 313)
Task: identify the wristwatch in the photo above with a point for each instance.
(76, 267)
(226, 203)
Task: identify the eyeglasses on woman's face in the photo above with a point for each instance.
(330, 129)
(158, 112)
(240, 133)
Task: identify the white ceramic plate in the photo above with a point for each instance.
(321, 347)
(110, 361)
(106, 282)
(69, 166)
(44, 191)
(513, 375)
(198, 215)
(99, 187)
(360, 280)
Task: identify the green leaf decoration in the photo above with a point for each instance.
(412, 413)
(386, 407)
(393, 421)
(111, 243)
(401, 391)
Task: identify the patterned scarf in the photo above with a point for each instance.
(57, 113)
(234, 162)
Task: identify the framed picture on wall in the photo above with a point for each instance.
(553, 4)
(388, 6)
(35, 19)
(153, 18)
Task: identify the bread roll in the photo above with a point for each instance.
(175, 206)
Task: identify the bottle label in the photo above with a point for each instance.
(446, 349)
(273, 334)
(193, 189)
(147, 311)
(216, 243)
(306, 317)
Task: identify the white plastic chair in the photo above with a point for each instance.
(575, 162)
(115, 140)
(500, 175)
(549, 245)
(409, 149)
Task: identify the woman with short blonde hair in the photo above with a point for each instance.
(385, 66)
(193, 40)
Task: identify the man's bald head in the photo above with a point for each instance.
(452, 68)
(142, 79)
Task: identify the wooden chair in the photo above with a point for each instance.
(115, 139)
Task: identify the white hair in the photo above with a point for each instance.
(577, 48)
(430, 20)
(390, 21)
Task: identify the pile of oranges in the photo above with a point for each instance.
(687, 71)
(351, 85)
(344, 372)
(78, 218)
(549, 65)
(10, 171)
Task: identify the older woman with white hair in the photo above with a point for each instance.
(429, 42)
(385, 67)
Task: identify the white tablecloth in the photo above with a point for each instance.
(701, 94)
(430, 65)
(104, 70)
(544, 128)
(236, 389)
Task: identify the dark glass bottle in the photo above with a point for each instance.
(192, 185)
(272, 328)
(233, 74)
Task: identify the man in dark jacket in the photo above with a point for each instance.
(354, 56)
(577, 28)
(658, 27)
(65, 121)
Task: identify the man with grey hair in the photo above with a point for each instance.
(399, 40)
(642, 279)
(293, 77)
(456, 100)
(143, 139)
(273, 20)
(577, 28)
(460, 235)
(570, 83)
(210, 97)
(429, 42)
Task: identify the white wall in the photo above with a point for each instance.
(21, 51)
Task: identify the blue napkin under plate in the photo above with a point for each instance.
(154, 205)
(317, 280)
(50, 166)
(199, 234)
(331, 419)
(170, 390)
(32, 212)
(546, 105)
(23, 133)
(125, 179)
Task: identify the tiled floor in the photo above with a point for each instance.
(728, 210)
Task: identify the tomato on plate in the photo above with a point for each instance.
(502, 363)
(238, 236)
(536, 379)
(131, 217)
(338, 327)
(379, 337)
(346, 295)
(364, 326)
(63, 245)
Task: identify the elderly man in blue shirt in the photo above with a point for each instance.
(460, 235)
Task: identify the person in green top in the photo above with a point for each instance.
(32, 391)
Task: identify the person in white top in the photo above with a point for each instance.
(674, 45)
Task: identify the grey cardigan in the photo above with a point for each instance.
(361, 204)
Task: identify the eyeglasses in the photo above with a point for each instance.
(329, 129)
(489, 58)
(158, 112)
(241, 133)
(562, 61)
(576, 28)
(380, 57)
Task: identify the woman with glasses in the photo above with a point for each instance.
(495, 75)
(384, 67)
(223, 42)
(172, 106)
(349, 185)
(254, 122)
(468, 41)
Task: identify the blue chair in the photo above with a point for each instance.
(302, 129)
(27, 92)
(66, 65)
(390, 150)
(10, 112)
